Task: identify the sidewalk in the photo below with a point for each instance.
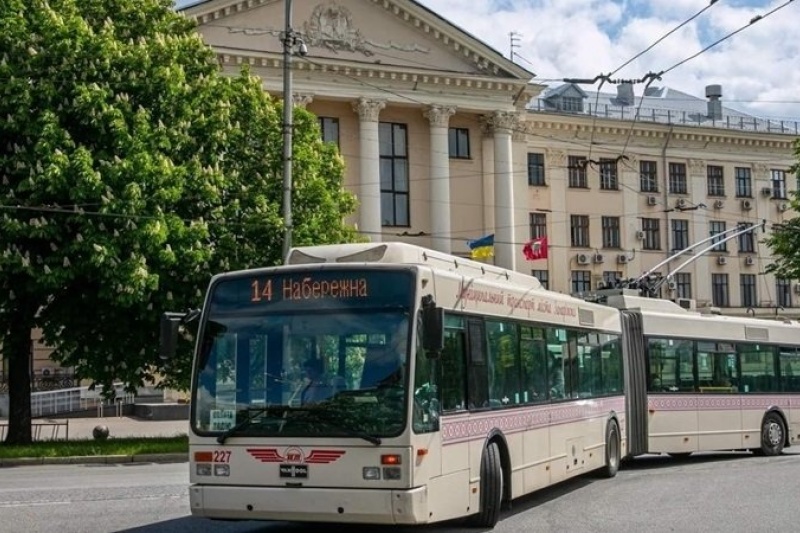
(119, 427)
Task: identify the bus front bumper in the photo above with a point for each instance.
(310, 504)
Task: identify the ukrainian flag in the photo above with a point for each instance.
(482, 248)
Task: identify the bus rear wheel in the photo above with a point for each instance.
(612, 450)
(772, 435)
(491, 495)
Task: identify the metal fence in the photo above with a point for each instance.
(42, 430)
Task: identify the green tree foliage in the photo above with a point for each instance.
(785, 238)
(132, 170)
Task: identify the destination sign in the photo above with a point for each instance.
(320, 288)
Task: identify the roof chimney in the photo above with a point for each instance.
(714, 93)
(625, 93)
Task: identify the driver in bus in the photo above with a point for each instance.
(316, 389)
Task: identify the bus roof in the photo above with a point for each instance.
(470, 286)
(664, 317)
(409, 254)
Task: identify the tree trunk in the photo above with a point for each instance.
(18, 350)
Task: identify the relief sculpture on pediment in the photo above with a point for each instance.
(331, 27)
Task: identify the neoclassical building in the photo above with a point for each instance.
(445, 141)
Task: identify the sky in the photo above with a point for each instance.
(758, 67)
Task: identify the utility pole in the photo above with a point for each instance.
(288, 105)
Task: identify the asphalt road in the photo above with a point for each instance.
(728, 493)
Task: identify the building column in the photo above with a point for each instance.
(439, 117)
(698, 189)
(369, 186)
(503, 124)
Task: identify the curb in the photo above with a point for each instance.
(97, 459)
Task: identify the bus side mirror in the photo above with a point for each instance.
(170, 323)
(432, 330)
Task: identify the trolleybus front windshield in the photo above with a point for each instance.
(312, 354)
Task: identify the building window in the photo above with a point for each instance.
(579, 231)
(783, 290)
(459, 143)
(329, 127)
(611, 277)
(577, 172)
(744, 182)
(716, 227)
(543, 276)
(610, 232)
(677, 178)
(572, 104)
(394, 174)
(608, 174)
(536, 169)
(716, 180)
(720, 293)
(680, 234)
(779, 184)
(651, 227)
(648, 176)
(747, 286)
(747, 241)
(683, 282)
(538, 225)
(581, 281)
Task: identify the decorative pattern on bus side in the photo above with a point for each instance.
(459, 428)
(722, 402)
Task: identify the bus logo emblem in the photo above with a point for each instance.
(295, 456)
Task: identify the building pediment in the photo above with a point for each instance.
(391, 34)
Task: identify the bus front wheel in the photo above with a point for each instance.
(491, 495)
(772, 435)
(612, 450)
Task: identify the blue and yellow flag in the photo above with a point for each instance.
(482, 248)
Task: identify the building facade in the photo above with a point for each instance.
(445, 141)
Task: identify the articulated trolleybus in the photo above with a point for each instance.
(712, 382)
(390, 384)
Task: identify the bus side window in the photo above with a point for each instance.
(453, 371)
(533, 360)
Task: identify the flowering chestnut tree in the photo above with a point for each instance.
(131, 170)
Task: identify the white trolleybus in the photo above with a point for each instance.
(713, 382)
(390, 384)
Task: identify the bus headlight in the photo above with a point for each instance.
(202, 469)
(222, 470)
(392, 473)
(371, 473)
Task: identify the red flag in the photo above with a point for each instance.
(535, 249)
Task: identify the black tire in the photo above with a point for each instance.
(491, 495)
(773, 435)
(613, 451)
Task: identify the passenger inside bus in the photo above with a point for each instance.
(556, 377)
(382, 368)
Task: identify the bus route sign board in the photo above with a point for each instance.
(313, 290)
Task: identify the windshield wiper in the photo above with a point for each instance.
(317, 415)
(244, 423)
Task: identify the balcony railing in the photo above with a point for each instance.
(677, 117)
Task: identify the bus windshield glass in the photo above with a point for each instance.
(315, 354)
